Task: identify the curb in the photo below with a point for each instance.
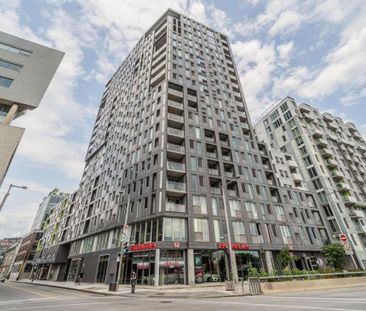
(130, 295)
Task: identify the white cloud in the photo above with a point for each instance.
(287, 22)
(255, 62)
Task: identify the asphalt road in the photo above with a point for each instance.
(17, 296)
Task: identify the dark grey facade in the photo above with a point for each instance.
(171, 137)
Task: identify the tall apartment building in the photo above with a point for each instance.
(172, 146)
(26, 69)
(44, 209)
(331, 158)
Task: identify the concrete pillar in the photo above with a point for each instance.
(190, 267)
(49, 272)
(157, 265)
(269, 261)
(10, 116)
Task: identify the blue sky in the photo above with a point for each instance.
(311, 50)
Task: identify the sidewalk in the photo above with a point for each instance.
(166, 291)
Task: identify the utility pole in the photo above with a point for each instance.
(120, 268)
(234, 268)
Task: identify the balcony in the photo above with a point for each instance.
(321, 143)
(326, 153)
(226, 158)
(351, 127)
(175, 94)
(210, 139)
(176, 148)
(291, 164)
(343, 187)
(349, 200)
(232, 193)
(308, 116)
(336, 174)
(175, 132)
(316, 134)
(296, 177)
(327, 117)
(211, 155)
(175, 186)
(304, 108)
(176, 118)
(175, 207)
(331, 164)
(214, 190)
(176, 167)
(212, 171)
(175, 106)
(355, 213)
(229, 174)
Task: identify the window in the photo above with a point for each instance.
(216, 227)
(251, 210)
(235, 208)
(174, 229)
(5, 82)
(215, 206)
(201, 230)
(199, 204)
(8, 65)
(239, 231)
(14, 50)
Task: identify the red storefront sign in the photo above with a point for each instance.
(142, 247)
(235, 246)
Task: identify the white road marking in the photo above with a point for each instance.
(311, 298)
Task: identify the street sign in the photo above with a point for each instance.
(343, 237)
(125, 229)
(124, 238)
(346, 246)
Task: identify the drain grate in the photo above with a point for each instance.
(166, 301)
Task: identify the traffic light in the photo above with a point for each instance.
(125, 247)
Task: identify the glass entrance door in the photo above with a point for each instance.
(102, 268)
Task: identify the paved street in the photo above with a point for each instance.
(17, 296)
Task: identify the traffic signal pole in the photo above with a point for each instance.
(120, 268)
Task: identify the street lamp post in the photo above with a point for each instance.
(234, 268)
(7, 194)
(120, 268)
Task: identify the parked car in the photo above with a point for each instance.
(209, 277)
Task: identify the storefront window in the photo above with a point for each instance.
(143, 264)
(171, 267)
(246, 260)
(209, 266)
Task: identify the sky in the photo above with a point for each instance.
(313, 51)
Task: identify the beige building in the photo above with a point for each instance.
(26, 69)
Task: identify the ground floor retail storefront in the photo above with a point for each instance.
(159, 266)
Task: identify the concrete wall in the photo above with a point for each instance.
(304, 285)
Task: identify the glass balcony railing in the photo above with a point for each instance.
(175, 185)
(176, 166)
(175, 148)
(175, 132)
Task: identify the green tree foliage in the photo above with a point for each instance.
(284, 258)
(334, 253)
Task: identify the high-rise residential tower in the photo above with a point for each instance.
(44, 209)
(331, 157)
(26, 69)
(171, 148)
